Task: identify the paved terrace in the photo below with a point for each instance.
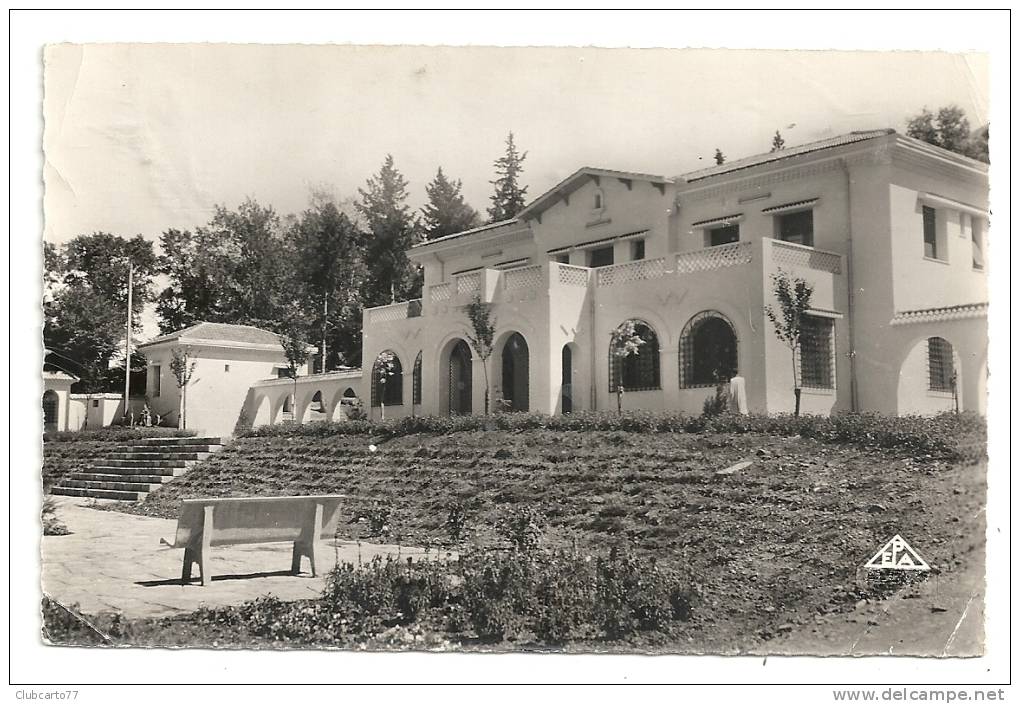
(114, 562)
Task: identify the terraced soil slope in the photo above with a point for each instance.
(773, 544)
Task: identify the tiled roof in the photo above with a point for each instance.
(938, 315)
(59, 375)
(455, 235)
(785, 153)
(220, 332)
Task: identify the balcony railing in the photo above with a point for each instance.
(570, 275)
(397, 311)
(441, 292)
(526, 277)
(797, 255)
(631, 271)
(711, 258)
(468, 284)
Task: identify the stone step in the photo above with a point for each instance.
(182, 441)
(111, 477)
(141, 487)
(97, 493)
(110, 462)
(168, 449)
(193, 456)
(163, 471)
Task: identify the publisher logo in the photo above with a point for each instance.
(897, 555)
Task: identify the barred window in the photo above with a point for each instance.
(387, 380)
(816, 353)
(941, 376)
(708, 351)
(416, 381)
(634, 358)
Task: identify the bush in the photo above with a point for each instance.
(116, 433)
(522, 528)
(947, 436)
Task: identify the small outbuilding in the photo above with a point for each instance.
(228, 360)
(56, 400)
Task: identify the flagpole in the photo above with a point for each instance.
(127, 342)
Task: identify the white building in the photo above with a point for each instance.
(890, 231)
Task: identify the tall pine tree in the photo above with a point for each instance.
(508, 199)
(720, 158)
(392, 229)
(446, 212)
(777, 142)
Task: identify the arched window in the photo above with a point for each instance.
(599, 201)
(634, 357)
(708, 351)
(416, 381)
(387, 380)
(50, 405)
(941, 375)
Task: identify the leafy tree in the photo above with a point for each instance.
(482, 336)
(720, 158)
(777, 142)
(197, 266)
(949, 129)
(85, 303)
(256, 279)
(508, 198)
(182, 366)
(329, 273)
(794, 297)
(446, 212)
(392, 230)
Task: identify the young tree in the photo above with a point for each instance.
(182, 366)
(482, 336)
(794, 297)
(384, 369)
(295, 350)
(446, 212)
(392, 229)
(777, 142)
(720, 158)
(624, 342)
(329, 272)
(508, 198)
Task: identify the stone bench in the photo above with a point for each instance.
(209, 523)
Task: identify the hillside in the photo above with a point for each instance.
(773, 544)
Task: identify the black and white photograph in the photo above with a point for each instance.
(478, 349)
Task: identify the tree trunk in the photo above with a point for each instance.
(182, 419)
(322, 351)
(796, 386)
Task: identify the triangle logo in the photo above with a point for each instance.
(897, 555)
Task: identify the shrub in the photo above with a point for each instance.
(115, 433)
(522, 527)
(948, 436)
(456, 520)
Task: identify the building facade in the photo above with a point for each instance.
(658, 286)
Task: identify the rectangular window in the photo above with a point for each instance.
(637, 250)
(977, 243)
(798, 227)
(226, 367)
(816, 353)
(603, 256)
(722, 235)
(940, 365)
(156, 379)
(563, 258)
(283, 373)
(930, 235)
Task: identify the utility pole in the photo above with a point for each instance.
(127, 342)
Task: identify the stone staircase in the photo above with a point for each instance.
(130, 472)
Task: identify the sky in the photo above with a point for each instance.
(139, 138)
